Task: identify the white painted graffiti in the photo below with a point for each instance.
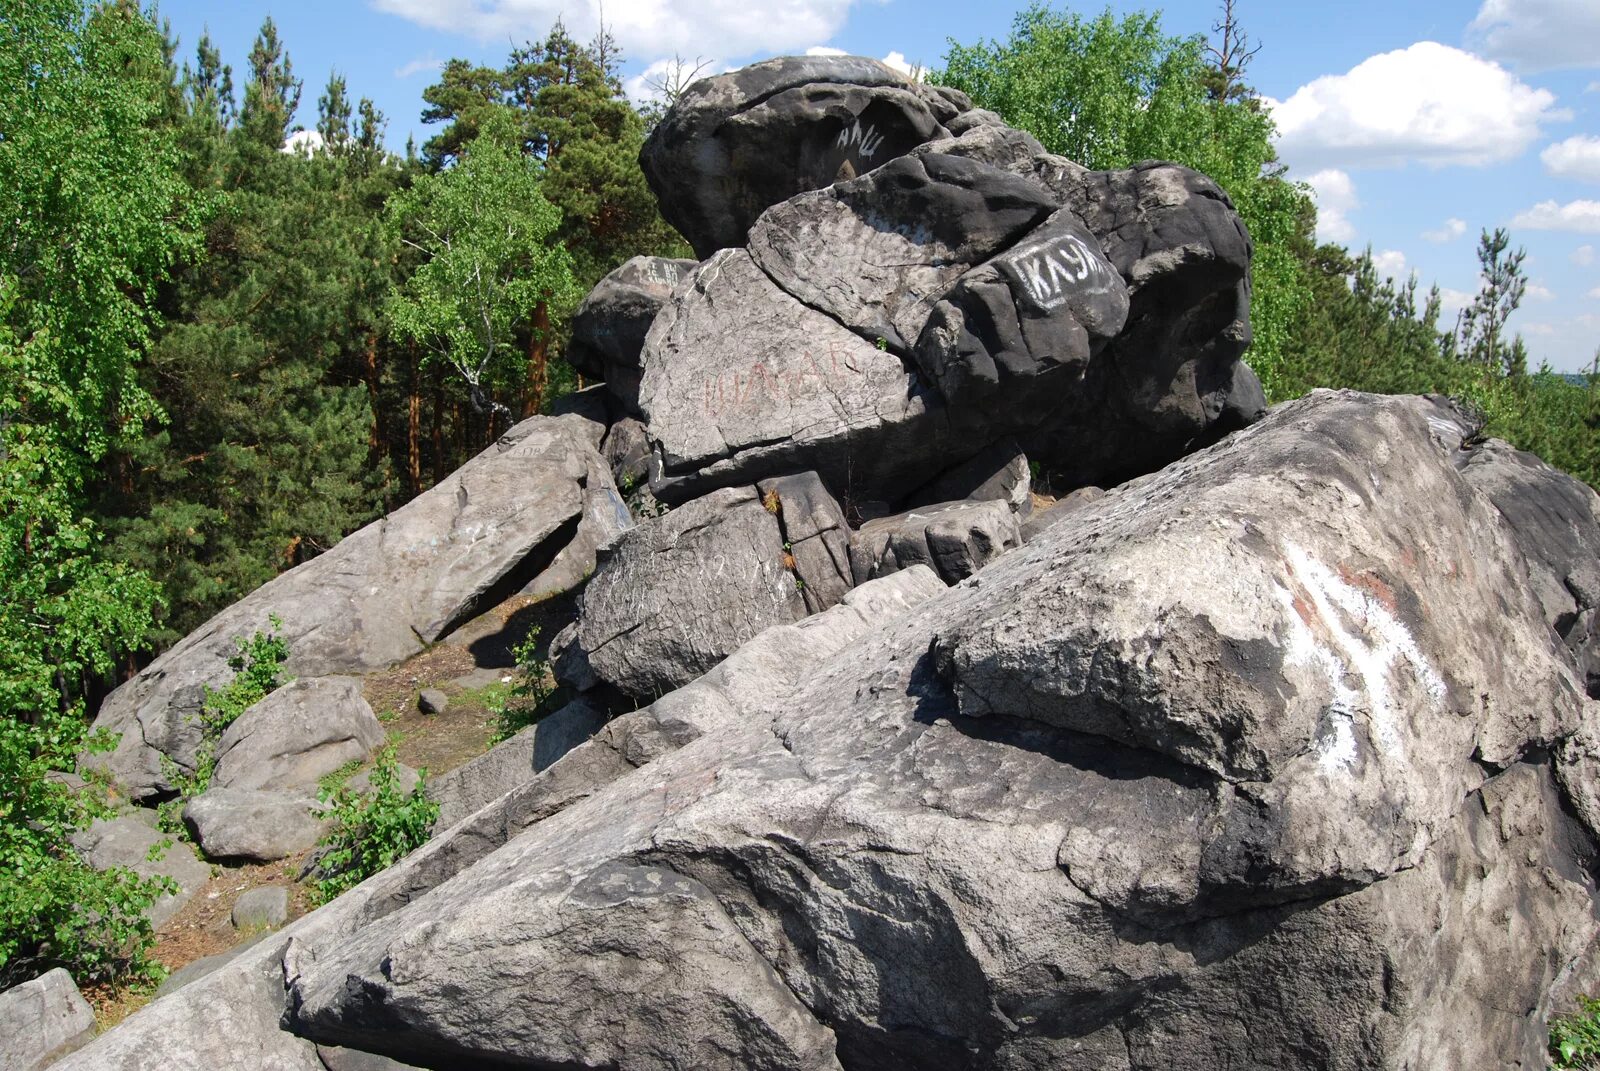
(1051, 270)
(1361, 639)
(865, 140)
(663, 272)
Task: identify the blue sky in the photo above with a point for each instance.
(1418, 124)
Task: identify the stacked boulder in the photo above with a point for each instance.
(1272, 745)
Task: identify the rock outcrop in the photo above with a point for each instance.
(1271, 744)
(43, 1020)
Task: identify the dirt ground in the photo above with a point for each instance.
(471, 666)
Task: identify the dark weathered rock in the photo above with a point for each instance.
(1171, 379)
(955, 539)
(609, 327)
(735, 144)
(998, 473)
(678, 594)
(743, 382)
(1011, 343)
(380, 595)
(335, 1058)
(261, 909)
(244, 823)
(130, 840)
(878, 252)
(42, 1020)
(627, 452)
(296, 735)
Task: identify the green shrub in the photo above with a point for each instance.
(1575, 1038)
(372, 831)
(258, 671)
(531, 696)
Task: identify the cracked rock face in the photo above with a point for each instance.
(1249, 766)
(380, 595)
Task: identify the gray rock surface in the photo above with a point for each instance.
(1557, 521)
(627, 451)
(264, 908)
(432, 701)
(296, 735)
(609, 327)
(736, 143)
(254, 824)
(1060, 510)
(605, 517)
(1098, 873)
(42, 1020)
(999, 473)
(514, 762)
(955, 539)
(743, 382)
(876, 253)
(816, 537)
(381, 594)
(128, 840)
(678, 594)
(195, 970)
(335, 1058)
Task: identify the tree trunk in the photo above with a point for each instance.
(538, 359)
(414, 428)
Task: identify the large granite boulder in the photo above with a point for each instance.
(253, 824)
(678, 594)
(296, 735)
(609, 327)
(742, 382)
(380, 595)
(735, 144)
(133, 841)
(1250, 767)
(42, 1020)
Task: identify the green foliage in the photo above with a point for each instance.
(258, 670)
(92, 194)
(374, 830)
(531, 696)
(1575, 1038)
(486, 232)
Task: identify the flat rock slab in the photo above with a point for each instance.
(129, 840)
(743, 382)
(380, 595)
(298, 734)
(42, 1020)
(261, 909)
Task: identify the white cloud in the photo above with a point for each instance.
(898, 61)
(649, 84)
(1336, 198)
(1390, 262)
(1594, 294)
(1538, 292)
(1452, 300)
(1539, 35)
(307, 141)
(1581, 217)
(1450, 230)
(1539, 329)
(1577, 158)
(1428, 103)
(417, 66)
(642, 27)
(1583, 256)
(825, 50)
